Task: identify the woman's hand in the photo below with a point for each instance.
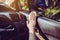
(31, 24)
(32, 21)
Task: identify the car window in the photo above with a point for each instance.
(15, 5)
(52, 11)
(24, 5)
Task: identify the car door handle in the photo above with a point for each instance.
(6, 29)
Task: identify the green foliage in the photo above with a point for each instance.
(24, 4)
(49, 12)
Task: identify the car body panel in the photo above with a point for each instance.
(49, 27)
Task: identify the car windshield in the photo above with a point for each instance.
(46, 8)
(15, 5)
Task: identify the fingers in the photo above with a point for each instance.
(32, 20)
(32, 15)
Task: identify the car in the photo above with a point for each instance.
(49, 28)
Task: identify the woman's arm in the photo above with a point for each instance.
(31, 25)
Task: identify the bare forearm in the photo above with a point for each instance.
(31, 35)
